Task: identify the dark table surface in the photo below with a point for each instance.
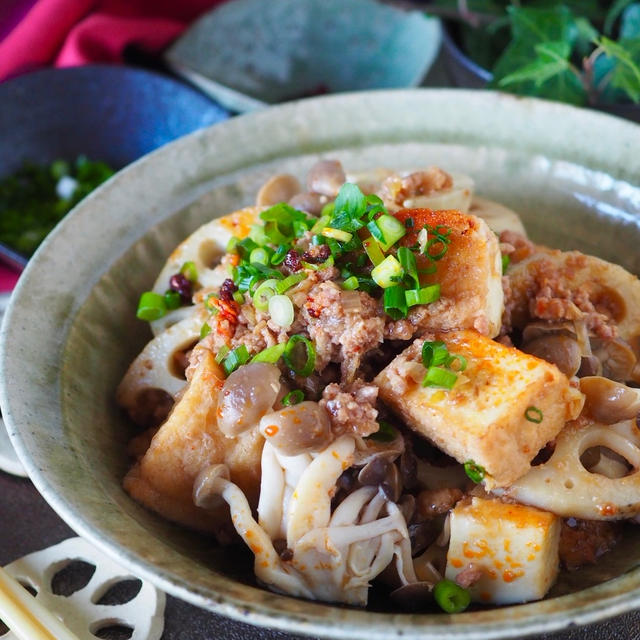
(28, 524)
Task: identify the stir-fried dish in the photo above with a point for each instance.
(378, 378)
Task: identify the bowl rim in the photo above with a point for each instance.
(432, 115)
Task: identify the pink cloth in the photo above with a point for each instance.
(75, 32)
(8, 278)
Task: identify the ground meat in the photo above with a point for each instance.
(351, 408)
(584, 541)
(342, 332)
(317, 253)
(434, 502)
(516, 246)
(469, 576)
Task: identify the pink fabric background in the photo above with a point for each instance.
(74, 32)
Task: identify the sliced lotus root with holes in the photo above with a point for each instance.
(92, 601)
(565, 487)
(205, 247)
(156, 374)
(575, 278)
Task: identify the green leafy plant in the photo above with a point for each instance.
(584, 53)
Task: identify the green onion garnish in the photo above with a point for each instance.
(172, 299)
(350, 283)
(434, 353)
(439, 239)
(320, 224)
(151, 306)
(205, 330)
(474, 471)
(409, 223)
(209, 305)
(408, 262)
(505, 263)
(533, 414)
(259, 256)
(336, 234)
(395, 303)
(290, 281)
(238, 297)
(270, 354)
(238, 356)
(439, 377)
(293, 397)
(189, 271)
(390, 229)
(372, 249)
(426, 295)
(451, 597)
(388, 273)
(302, 365)
(279, 255)
(329, 262)
(263, 294)
(221, 355)
(281, 310)
(461, 360)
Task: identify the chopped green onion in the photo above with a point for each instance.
(281, 310)
(172, 299)
(210, 306)
(264, 293)
(221, 355)
(461, 360)
(426, 295)
(293, 360)
(293, 397)
(232, 244)
(434, 353)
(373, 250)
(290, 281)
(151, 306)
(329, 262)
(270, 354)
(391, 228)
(505, 263)
(239, 356)
(336, 234)
(205, 330)
(451, 597)
(259, 255)
(474, 471)
(350, 283)
(395, 304)
(439, 377)
(409, 223)
(533, 414)
(388, 273)
(238, 297)
(279, 255)
(439, 237)
(408, 262)
(385, 433)
(189, 271)
(258, 235)
(320, 224)
(274, 234)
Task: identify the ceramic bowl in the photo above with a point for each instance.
(71, 331)
(110, 113)
(248, 54)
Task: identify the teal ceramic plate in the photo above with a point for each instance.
(71, 331)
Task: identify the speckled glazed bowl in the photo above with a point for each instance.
(71, 331)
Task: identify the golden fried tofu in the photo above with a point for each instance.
(502, 410)
(188, 442)
(469, 273)
(512, 550)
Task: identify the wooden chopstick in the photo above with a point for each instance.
(25, 616)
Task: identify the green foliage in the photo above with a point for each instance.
(580, 52)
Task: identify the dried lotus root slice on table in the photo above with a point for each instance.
(83, 611)
(565, 487)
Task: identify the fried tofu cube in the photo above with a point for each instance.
(469, 272)
(186, 444)
(510, 551)
(502, 410)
